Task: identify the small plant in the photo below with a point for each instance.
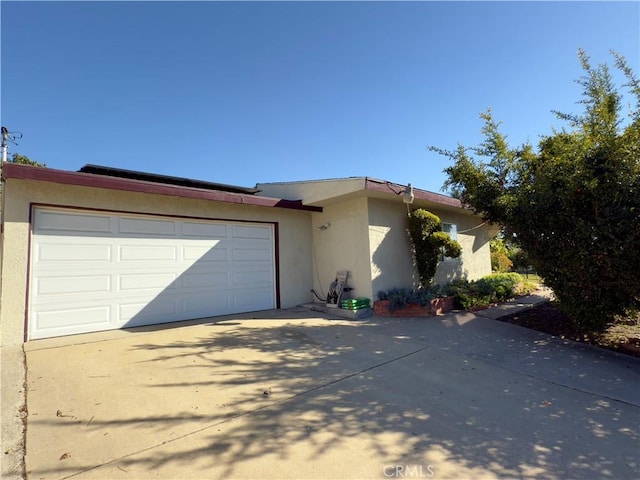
(397, 297)
(401, 297)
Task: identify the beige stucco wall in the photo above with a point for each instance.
(391, 260)
(368, 237)
(294, 230)
(473, 236)
(342, 245)
(389, 246)
(381, 259)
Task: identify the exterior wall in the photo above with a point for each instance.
(475, 261)
(294, 231)
(391, 258)
(342, 245)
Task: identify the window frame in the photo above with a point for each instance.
(453, 233)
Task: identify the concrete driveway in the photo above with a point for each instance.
(297, 394)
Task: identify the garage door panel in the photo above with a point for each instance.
(252, 278)
(252, 299)
(67, 319)
(196, 229)
(207, 281)
(143, 270)
(61, 285)
(252, 232)
(251, 254)
(142, 252)
(71, 252)
(159, 309)
(207, 304)
(51, 222)
(206, 253)
(144, 227)
(157, 282)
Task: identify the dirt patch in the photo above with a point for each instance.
(623, 337)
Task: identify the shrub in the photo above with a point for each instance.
(429, 241)
(400, 297)
(500, 262)
(572, 201)
(493, 288)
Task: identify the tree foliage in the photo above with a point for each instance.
(24, 160)
(507, 255)
(429, 241)
(500, 259)
(574, 203)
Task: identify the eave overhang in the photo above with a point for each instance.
(64, 177)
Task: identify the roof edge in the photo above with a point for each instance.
(390, 187)
(45, 174)
(168, 179)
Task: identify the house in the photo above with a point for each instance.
(106, 248)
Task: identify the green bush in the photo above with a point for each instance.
(500, 262)
(429, 241)
(493, 288)
(400, 297)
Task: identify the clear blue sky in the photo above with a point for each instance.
(240, 93)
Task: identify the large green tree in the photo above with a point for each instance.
(573, 204)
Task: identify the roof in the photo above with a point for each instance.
(328, 191)
(64, 177)
(154, 177)
(310, 195)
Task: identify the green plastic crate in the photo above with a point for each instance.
(355, 303)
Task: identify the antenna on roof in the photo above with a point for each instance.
(8, 136)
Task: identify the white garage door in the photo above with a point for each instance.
(94, 271)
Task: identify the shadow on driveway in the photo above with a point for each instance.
(295, 395)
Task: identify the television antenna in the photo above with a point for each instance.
(8, 136)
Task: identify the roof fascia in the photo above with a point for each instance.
(383, 186)
(44, 174)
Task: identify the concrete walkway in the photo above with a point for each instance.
(294, 394)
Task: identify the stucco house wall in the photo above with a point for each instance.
(363, 229)
(392, 262)
(389, 247)
(473, 236)
(294, 236)
(340, 242)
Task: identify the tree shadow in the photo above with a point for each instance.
(389, 392)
